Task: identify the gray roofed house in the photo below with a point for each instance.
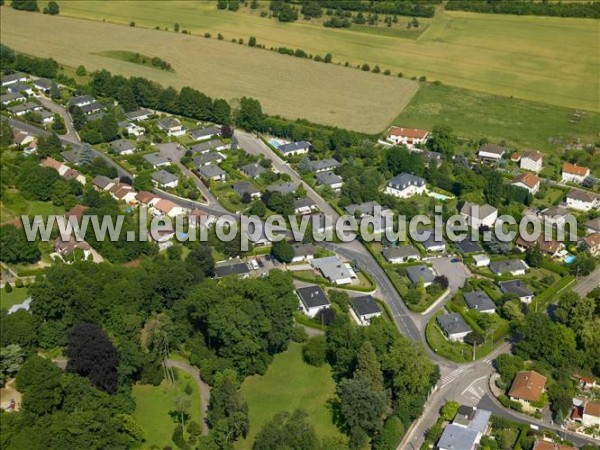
(253, 170)
(294, 148)
(511, 266)
(102, 183)
(401, 254)
(479, 301)
(334, 270)
(71, 156)
(312, 300)
(364, 308)
(303, 252)
(81, 100)
(467, 246)
(429, 156)
(454, 326)
(20, 87)
(209, 158)
(491, 152)
(45, 116)
(283, 188)
(205, 133)
(246, 187)
(140, 114)
(5, 99)
(304, 205)
(324, 165)
(329, 179)
(122, 147)
(169, 123)
(456, 437)
(212, 172)
(43, 84)
(518, 288)
(207, 146)
(433, 245)
(24, 108)
(405, 185)
(157, 160)
(165, 179)
(92, 108)
(231, 268)
(12, 78)
(363, 209)
(593, 226)
(420, 272)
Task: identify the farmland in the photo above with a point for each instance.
(544, 59)
(288, 86)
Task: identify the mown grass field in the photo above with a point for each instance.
(545, 59)
(289, 384)
(288, 86)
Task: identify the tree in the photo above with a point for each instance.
(200, 262)
(39, 381)
(508, 366)
(25, 5)
(252, 41)
(49, 146)
(109, 127)
(443, 140)
(16, 248)
(52, 8)
(143, 182)
(583, 265)
(221, 4)
(80, 71)
(37, 183)
(227, 404)
(78, 117)
(368, 367)
(11, 358)
(283, 251)
(290, 431)
(314, 351)
(250, 114)
(58, 124)
(575, 311)
(258, 208)
(449, 410)
(6, 133)
(91, 354)
(534, 256)
(126, 98)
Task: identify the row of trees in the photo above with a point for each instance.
(543, 8)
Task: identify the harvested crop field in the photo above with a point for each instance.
(288, 86)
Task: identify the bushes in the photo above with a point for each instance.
(299, 334)
(314, 351)
(390, 435)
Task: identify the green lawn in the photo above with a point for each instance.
(290, 383)
(472, 115)
(153, 404)
(18, 295)
(131, 57)
(14, 205)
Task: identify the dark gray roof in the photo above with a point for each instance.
(492, 148)
(101, 181)
(237, 268)
(366, 208)
(593, 224)
(17, 87)
(402, 251)
(71, 156)
(364, 305)
(169, 122)
(453, 323)
(515, 287)
(156, 159)
(24, 107)
(81, 100)
(204, 133)
(324, 164)
(11, 97)
(416, 273)
(304, 202)
(13, 77)
(133, 115)
(243, 187)
(312, 296)
(122, 145)
(211, 157)
(467, 246)
(253, 170)
(479, 300)
(293, 146)
(92, 108)
(508, 265)
(582, 196)
(555, 212)
(163, 177)
(304, 249)
(431, 241)
(328, 178)
(284, 188)
(206, 146)
(403, 180)
(211, 171)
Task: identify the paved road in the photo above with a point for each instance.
(71, 135)
(587, 284)
(204, 388)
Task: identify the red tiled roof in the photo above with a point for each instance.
(165, 205)
(592, 409)
(575, 169)
(547, 445)
(528, 179)
(515, 157)
(593, 240)
(409, 132)
(527, 385)
(144, 197)
(76, 211)
(52, 163)
(533, 155)
(550, 247)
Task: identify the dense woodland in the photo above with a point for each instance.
(528, 8)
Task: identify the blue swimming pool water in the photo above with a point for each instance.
(275, 143)
(570, 258)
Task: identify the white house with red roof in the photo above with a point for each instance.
(407, 136)
(574, 173)
(532, 161)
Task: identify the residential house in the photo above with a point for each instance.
(163, 237)
(312, 300)
(468, 246)
(454, 326)
(294, 148)
(102, 183)
(303, 252)
(591, 414)
(170, 148)
(156, 160)
(431, 157)
(419, 273)
(123, 191)
(166, 207)
(550, 445)
(212, 172)
(515, 157)
(364, 209)
(466, 430)
(75, 214)
(518, 288)
(592, 226)
(555, 216)
(45, 117)
(336, 271)
(253, 170)
(43, 84)
(527, 181)
(481, 260)
(480, 301)
(401, 254)
(146, 198)
(123, 147)
(572, 173)
(324, 165)
(17, 77)
(479, 215)
(407, 136)
(532, 161)
(248, 188)
(550, 247)
(82, 100)
(582, 200)
(515, 267)
(72, 174)
(139, 115)
(24, 141)
(527, 387)
(66, 248)
(131, 128)
(21, 110)
(92, 110)
(165, 179)
(205, 133)
(364, 308)
(235, 267)
(592, 243)
(585, 383)
(7, 99)
(21, 87)
(283, 187)
(209, 158)
(305, 205)
(209, 146)
(433, 245)
(490, 153)
(54, 164)
(405, 185)
(171, 126)
(329, 179)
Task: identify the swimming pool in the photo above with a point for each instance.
(438, 196)
(570, 258)
(275, 142)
